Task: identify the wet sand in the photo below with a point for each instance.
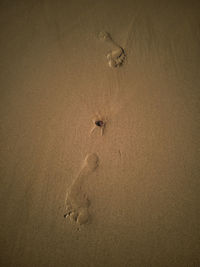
(99, 126)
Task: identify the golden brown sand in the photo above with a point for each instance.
(99, 121)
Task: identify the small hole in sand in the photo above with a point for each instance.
(99, 123)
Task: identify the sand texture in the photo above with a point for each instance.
(99, 133)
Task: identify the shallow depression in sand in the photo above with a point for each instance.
(77, 202)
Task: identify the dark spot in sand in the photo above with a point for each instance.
(99, 123)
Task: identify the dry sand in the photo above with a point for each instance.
(132, 187)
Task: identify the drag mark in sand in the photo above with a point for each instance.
(77, 202)
(120, 154)
(117, 55)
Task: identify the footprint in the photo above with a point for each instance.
(77, 202)
(117, 55)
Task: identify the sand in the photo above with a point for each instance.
(99, 126)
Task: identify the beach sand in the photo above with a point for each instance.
(99, 122)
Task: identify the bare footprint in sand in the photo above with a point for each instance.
(77, 202)
(117, 55)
